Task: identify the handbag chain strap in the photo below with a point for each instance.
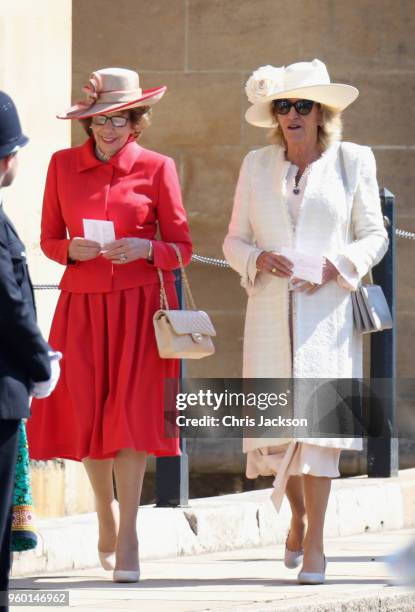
(370, 275)
(163, 296)
(188, 296)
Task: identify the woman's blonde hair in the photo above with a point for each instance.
(140, 117)
(329, 131)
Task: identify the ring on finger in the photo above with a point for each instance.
(273, 270)
(123, 257)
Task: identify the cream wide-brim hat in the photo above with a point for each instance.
(303, 80)
(112, 89)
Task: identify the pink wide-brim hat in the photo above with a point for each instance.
(112, 89)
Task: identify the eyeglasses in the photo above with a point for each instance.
(283, 106)
(117, 122)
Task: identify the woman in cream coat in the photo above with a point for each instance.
(319, 196)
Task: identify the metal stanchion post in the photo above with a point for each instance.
(172, 473)
(383, 451)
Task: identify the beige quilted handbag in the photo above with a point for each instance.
(182, 334)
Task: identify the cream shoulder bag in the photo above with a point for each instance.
(182, 334)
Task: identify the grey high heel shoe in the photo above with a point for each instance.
(313, 577)
(292, 558)
(126, 576)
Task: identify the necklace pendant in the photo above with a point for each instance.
(296, 190)
(100, 155)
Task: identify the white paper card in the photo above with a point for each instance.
(307, 267)
(100, 231)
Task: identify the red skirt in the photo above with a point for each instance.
(110, 394)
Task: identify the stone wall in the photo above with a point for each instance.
(35, 69)
(204, 50)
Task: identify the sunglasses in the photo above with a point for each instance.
(283, 106)
(117, 122)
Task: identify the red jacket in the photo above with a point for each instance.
(137, 189)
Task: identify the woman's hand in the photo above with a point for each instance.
(126, 250)
(274, 263)
(81, 249)
(330, 272)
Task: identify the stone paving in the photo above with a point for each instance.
(244, 580)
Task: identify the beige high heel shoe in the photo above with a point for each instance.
(107, 560)
(120, 575)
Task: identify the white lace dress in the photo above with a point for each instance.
(297, 458)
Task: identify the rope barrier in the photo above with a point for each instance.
(222, 263)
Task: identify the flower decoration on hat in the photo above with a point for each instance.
(92, 89)
(264, 82)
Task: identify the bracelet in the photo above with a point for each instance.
(150, 251)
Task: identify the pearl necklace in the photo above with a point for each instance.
(101, 156)
(300, 178)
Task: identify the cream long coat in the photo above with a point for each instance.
(340, 214)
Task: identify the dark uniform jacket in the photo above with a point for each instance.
(23, 351)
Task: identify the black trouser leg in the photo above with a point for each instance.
(8, 452)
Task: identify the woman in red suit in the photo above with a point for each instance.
(107, 410)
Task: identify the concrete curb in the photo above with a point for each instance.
(243, 520)
(401, 602)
